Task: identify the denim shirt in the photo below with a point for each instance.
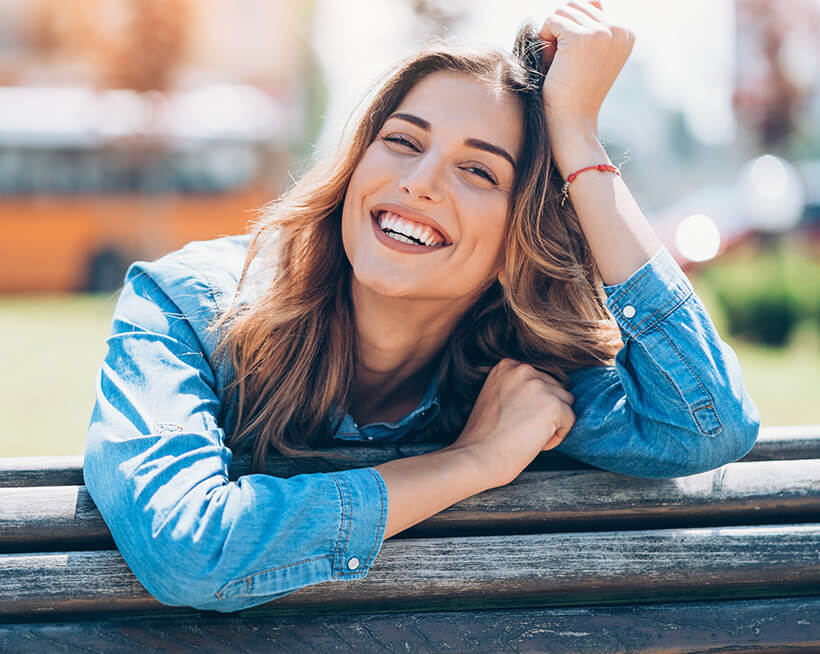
(157, 467)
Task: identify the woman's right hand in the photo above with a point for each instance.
(519, 412)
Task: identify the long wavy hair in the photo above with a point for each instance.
(292, 348)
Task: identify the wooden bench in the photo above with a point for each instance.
(566, 558)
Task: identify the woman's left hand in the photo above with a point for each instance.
(585, 53)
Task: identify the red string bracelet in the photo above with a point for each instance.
(602, 167)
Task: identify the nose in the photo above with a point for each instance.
(422, 180)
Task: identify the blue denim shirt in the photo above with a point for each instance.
(157, 467)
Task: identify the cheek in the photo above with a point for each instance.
(361, 181)
(489, 218)
(373, 165)
(482, 246)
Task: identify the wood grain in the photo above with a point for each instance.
(486, 571)
(44, 518)
(779, 625)
(774, 443)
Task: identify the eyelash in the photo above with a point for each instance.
(480, 171)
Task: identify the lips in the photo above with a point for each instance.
(411, 215)
(401, 246)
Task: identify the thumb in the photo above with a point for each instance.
(550, 41)
(552, 31)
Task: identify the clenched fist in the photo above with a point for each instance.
(519, 412)
(585, 52)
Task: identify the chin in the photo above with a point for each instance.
(387, 286)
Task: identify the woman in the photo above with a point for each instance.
(430, 282)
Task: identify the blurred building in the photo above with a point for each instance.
(130, 127)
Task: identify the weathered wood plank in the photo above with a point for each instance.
(41, 471)
(45, 518)
(779, 625)
(17, 472)
(486, 572)
(774, 444)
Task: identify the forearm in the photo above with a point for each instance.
(421, 486)
(619, 235)
(674, 403)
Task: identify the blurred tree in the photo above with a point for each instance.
(777, 70)
(133, 44)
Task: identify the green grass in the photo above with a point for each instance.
(51, 347)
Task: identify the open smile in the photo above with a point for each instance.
(402, 239)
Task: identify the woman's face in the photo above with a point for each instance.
(440, 171)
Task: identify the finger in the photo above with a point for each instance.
(554, 383)
(555, 27)
(565, 422)
(589, 9)
(561, 393)
(570, 14)
(578, 16)
(550, 39)
(559, 24)
(506, 363)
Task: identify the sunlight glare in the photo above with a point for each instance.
(698, 237)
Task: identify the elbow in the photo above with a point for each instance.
(740, 429)
(173, 572)
(163, 558)
(738, 413)
(696, 452)
(172, 586)
(743, 429)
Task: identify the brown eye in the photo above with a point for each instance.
(482, 173)
(401, 141)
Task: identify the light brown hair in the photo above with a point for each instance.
(293, 349)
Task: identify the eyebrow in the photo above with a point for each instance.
(471, 142)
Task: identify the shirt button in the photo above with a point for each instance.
(629, 311)
(353, 563)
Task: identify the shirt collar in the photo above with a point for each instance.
(418, 418)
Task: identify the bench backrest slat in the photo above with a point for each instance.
(45, 518)
(486, 572)
(774, 443)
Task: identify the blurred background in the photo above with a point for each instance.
(131, 127)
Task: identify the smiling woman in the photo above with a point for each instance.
(426, 283)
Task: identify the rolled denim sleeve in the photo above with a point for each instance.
(674, 403)
(157, 468)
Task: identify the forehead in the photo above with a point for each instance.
(461, 105)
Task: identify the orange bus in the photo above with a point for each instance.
(80, 200)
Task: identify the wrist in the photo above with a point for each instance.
(573, 149)
(473, 465)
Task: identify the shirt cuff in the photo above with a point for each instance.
(363, 496)
(650, 294)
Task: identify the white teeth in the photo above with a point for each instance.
(394, 222)
(399, 237)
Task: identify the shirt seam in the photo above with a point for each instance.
(247, 579)
(382, 516)
(703, 388)
(636, 328)
(342, 487)
(616, 296)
